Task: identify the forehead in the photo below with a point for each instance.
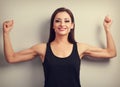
(62, 15)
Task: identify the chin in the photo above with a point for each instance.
(63, 34)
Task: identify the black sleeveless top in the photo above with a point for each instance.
(61, 72)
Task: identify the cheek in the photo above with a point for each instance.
(55, 25)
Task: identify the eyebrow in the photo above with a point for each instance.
(64, 18)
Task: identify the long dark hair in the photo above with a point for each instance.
(52, 32)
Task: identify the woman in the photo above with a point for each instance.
(61, 56)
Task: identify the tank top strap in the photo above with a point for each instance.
(48, 45)
(75, 51)
(75, 46)
(47, 52)
(48, 48)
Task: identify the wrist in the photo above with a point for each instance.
(107, 29)
(5, 33)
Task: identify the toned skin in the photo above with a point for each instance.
(61, 47)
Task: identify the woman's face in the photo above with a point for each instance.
(62, 23)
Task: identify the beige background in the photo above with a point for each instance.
(32, 18)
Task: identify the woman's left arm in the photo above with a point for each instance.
(110, 50)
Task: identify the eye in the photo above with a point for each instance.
(67, 21)
(57, 21)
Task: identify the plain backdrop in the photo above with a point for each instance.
(31, 26)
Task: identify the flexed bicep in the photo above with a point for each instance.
(98, 52)
(21, 56)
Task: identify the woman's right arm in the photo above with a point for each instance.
(10, 55)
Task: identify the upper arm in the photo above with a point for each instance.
(27, 54)
(96, 52)
(23, 55)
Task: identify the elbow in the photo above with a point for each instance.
(10, 59)
(112, 54)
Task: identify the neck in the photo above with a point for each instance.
(61, 39)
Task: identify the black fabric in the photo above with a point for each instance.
(62, 72)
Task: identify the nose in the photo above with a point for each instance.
(62, 23)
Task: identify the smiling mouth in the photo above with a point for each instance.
(62, 29)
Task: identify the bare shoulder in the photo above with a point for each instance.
(40, 48)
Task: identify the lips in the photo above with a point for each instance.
(62, 29)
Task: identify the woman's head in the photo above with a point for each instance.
(57, 12)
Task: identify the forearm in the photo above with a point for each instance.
(110, 43)
(13, 57)
(8, 49)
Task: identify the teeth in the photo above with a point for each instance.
(61, 28)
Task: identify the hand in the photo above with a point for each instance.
(107, 23)
(7, 26)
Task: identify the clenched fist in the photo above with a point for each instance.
(7, 26)
(107, 22)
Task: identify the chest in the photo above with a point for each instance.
(61, 51)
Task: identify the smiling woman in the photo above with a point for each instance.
(63, 25)
(61, 56)
(70, 18)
